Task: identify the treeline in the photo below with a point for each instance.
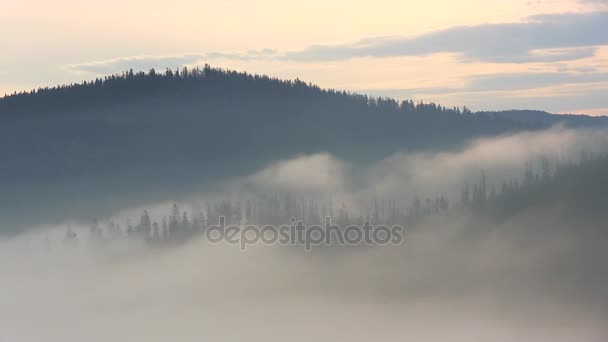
(577, 189)
(131, 86)
(580, 189)
(277, 210)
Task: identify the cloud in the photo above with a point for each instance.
(404, 175)
(445, 276)
(134, 62)
(144, 63)
(500, 158)
(516, 81)
(296, 174)
(568, 98)
(453, 272)
(542, 38)
(598, 3)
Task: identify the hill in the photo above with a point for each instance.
(135, 137)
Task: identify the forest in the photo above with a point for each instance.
(101, 138)
(576, 189)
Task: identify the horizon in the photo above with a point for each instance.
(179, 68)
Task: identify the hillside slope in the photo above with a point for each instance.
(136, 137)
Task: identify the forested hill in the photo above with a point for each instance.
(206, 115)
(139, 136)
(128, 87)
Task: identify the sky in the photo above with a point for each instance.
(486, 54)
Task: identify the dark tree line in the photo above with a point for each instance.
(276, 209)
(579, 188)
(130, 86)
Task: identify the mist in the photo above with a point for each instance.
(443, 284)
(457, 276)
(407, 174)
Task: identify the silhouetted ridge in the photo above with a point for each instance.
(130, 86)
(216, 84)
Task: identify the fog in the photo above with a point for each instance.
(457, 276)
(500, 158)
(443, 284)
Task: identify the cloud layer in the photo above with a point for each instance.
(516, 280)
(542, 38)
(510, 284)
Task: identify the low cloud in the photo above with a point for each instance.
(316, 173)
(405, 175)
(510, 284)
(499, 159)
(518, 280)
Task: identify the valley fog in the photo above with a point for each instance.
(459, 275)
(448, 281)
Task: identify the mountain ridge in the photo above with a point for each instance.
(115, 87)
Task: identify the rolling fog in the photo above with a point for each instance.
(457, 277)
